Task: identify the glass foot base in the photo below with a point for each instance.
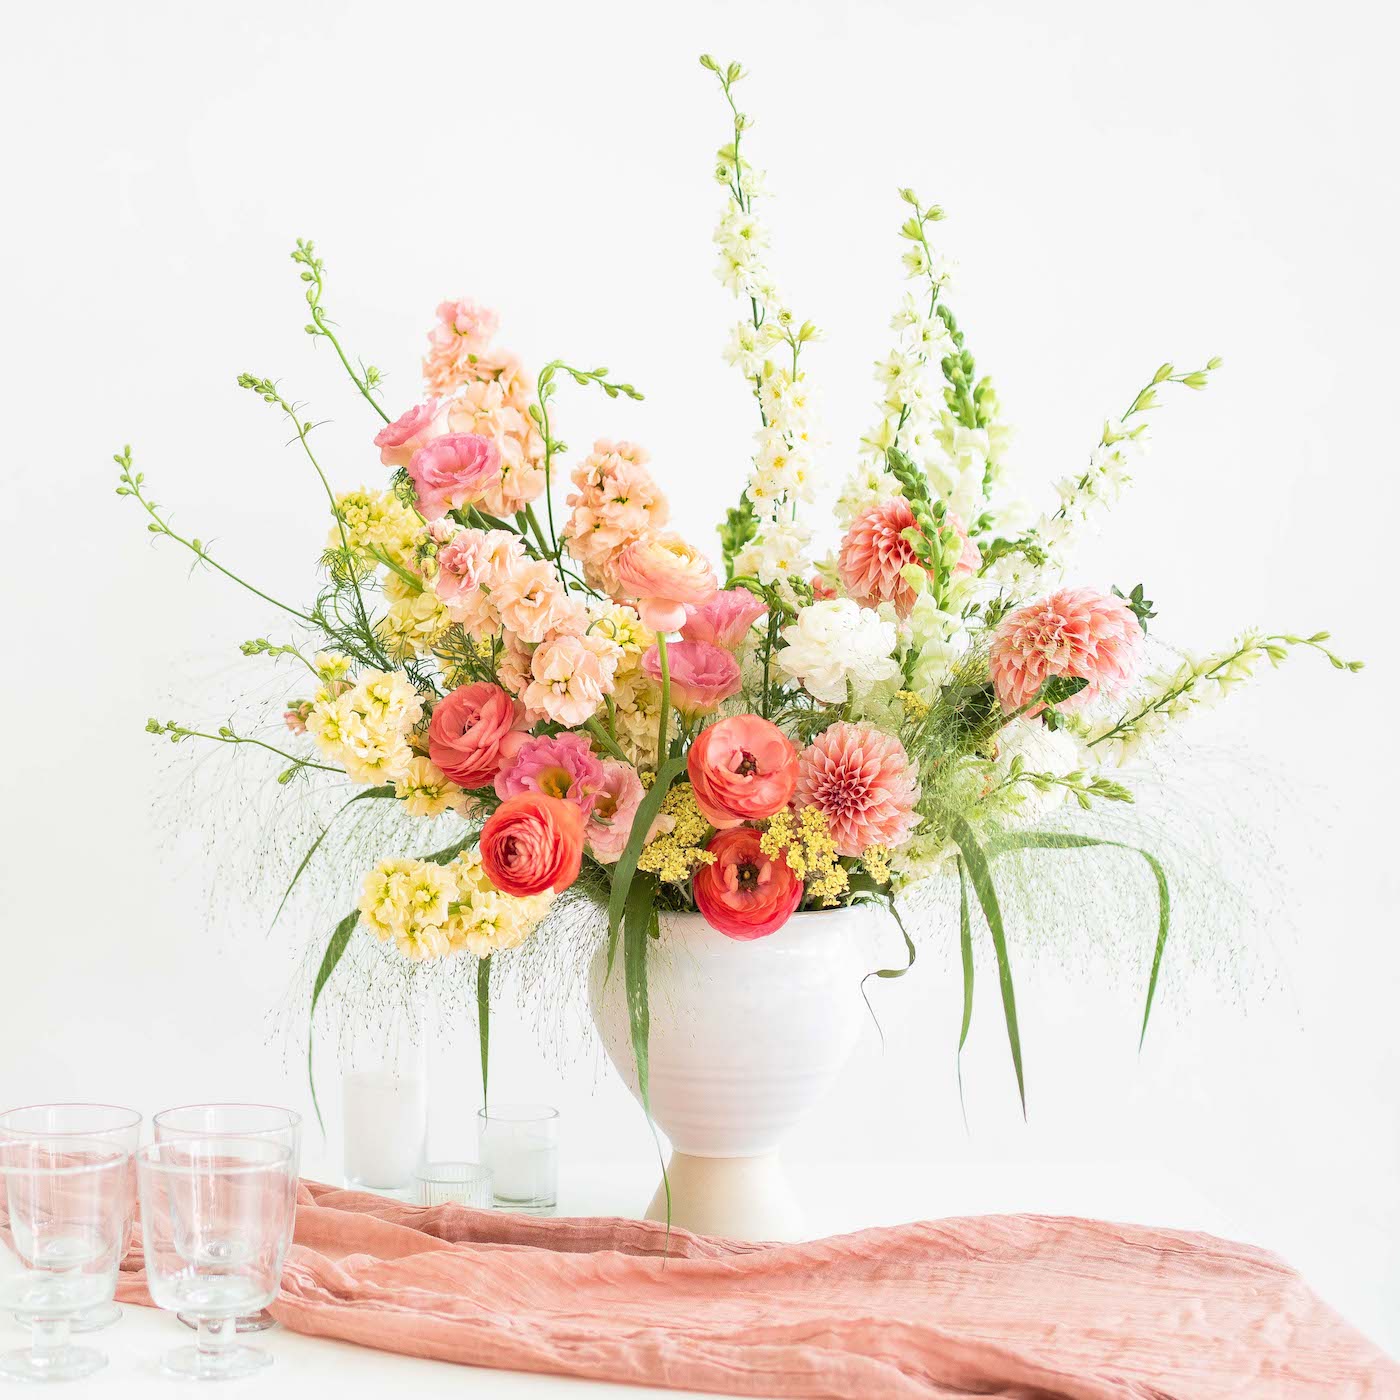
(258, 1322)
(58, 1364)
(223, 1364)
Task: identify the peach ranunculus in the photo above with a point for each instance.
(614, 811)
(453, 471)
(667, 577)
(702, 675)
(862, 782)
(1075, 632)
(468, 731)
(742, 769)
(570, 676)
(745, 894)
(725, 620)
(874, 552)
(406, 434)
(559, 765)
(532, 843)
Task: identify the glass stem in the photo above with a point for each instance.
(48, 1336)
(213, 1338)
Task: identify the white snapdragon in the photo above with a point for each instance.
(1052, 752)
(939, 640)
(835, 644)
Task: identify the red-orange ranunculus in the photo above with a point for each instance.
(742, 769)
(745, 894)
(532, 843)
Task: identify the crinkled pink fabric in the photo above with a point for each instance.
(1028, 1307)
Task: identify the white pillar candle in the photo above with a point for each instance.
(386, 1121)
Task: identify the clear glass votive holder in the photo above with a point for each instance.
(455, 1183)
(519, 1143)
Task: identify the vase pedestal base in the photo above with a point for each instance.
(739, 1198)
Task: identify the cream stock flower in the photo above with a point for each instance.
(426, 791)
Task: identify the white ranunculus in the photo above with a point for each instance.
(837, 641)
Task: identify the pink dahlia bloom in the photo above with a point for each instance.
(558, 765)
(405, 435)
(702, 676)
(453, 471)
(726, 620)
(874, 552)
(667, 577)
(1075, 632)
(862, 782)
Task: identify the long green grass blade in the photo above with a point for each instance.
(1068, 841)
(639, 922)
(888, 901)
(335, 950)
(980, 872)
(386, 790)
(483, 1018)
(965, 939)
(627, 863)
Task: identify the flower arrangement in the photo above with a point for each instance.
(597, 705)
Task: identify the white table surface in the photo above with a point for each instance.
(836, 1197)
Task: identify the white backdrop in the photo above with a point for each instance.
(1125, 184)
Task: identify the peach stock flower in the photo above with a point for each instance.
(745, 894)
(617, 502)
(453, 471)
(456, 343)
(1075, 632)
(469, 566)
(862, 782)
(569, 677)
(667, 577)
(532, 843)
(702, 675)
(874, 551)
(531, 603)
(558, 765)
(406, 434)
(468, 731)
(741, 769)
(725, 620)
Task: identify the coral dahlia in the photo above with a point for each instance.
(874, 552)
(862, 782)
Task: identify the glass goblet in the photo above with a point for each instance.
(91, 1122)
(63, 1210)
(263, 1122)
(215, 1221)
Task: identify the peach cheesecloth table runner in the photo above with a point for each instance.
(1017, 1306)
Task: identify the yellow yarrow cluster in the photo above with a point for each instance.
(806, 845)
(378, 520)
(915, 706)
(431, 911)
(365, 727)
(876, 863)
(416, 621)
(674, 855)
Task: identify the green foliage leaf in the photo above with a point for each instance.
(640, 924)
(335, 950)
(888, 901)
(965, 939)
(483, 1018)
(1059, 688)
(979, 871)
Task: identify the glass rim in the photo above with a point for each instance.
(517, 1113)
(134, 1117)
(109, 1162)
(148, 1157)
(160, 1121)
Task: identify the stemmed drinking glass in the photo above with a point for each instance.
(119, 1128)
(216, 1219)
(64, 1204)
(261, 1122)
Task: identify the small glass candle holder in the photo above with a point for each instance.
(519, 1143)
(455, 1183)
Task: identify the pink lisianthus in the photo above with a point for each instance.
(557, 765)
(453, 471)
(874, 553)
(495, 404)
(1075, 632)
(406, 434)
(468, 732)
(862, 782)
(667, 577)
(725, 620)
(702, 675)
(742, 769)
(615, 810)
(570, 676)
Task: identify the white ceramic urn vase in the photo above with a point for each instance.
(746, 1037)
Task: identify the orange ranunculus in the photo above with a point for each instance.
(532, 843)
(742, 769)
(745, 894)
